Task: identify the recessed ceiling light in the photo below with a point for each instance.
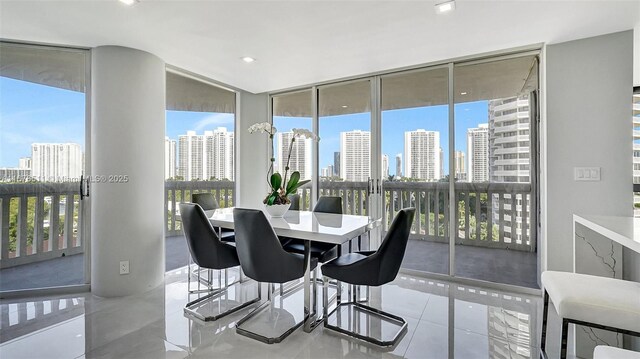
(446, 6)
(463, 93)
(248, 59)
(344, 106)
(128, 2)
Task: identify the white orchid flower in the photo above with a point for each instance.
(301, 132)
(262, 127)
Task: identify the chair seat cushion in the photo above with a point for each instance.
(338, 268)
(599, 300)
(605, 352)
(323, 252)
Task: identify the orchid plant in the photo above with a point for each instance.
(282, 187)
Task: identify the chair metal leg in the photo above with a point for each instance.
(266, 304)
(218, 294)
(565, 334)
(370, 311)
(543, 335)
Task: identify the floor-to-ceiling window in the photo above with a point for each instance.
(495, 120)
(415, 161)
(344, 150)
(294, 110)
(43, 155)
(457, 141)
(199, 151)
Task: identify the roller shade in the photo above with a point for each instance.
(187, 94)
(421, 88)
(61, 68)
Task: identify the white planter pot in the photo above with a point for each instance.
(277, 210)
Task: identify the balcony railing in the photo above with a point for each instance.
(180, 191)
(492, 221)
(39, 221)
(30, 213)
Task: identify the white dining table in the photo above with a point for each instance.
(310, 227)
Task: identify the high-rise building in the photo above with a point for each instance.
(300, 154)
(330, 171)
(509, 157)
(218, 146)
(14, 174)
(191, 156)
(422, 155)
(385, 166)
(460, 169)
(355, 162)
(24, 163)
(169, 158)
(336, 164)
(399, 165)
(509, 146)
(208, 156)
(55, 162)
(478, 153)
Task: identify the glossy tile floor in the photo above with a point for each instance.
(445, 320)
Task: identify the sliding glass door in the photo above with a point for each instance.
(414, 162)
(494, 170)
(43, 156)
(457, 142)
(345, 146)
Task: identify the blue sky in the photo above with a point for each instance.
(34, 113)
(394, 124)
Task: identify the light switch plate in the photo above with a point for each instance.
(586, 173)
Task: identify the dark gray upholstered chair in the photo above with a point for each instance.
(262, 258)
(373, 268)
(208, 252)
(322, 251)
(295, 202)
(208, 202)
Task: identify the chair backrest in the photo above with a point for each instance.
(261, 255)
(329, 204)
(295, 202)
(206, 200)
(391, 251)
(205, 247)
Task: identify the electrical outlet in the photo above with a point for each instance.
(124, 267)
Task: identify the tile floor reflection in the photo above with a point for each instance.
(445, 320)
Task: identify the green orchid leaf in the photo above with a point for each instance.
(298, 185)
(276, 181)
(293, 182)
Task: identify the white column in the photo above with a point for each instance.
(127, 138)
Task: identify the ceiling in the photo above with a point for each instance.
(304, 42)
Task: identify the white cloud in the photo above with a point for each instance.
(215, 120)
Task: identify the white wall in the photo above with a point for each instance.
(251, 151)
(636, 56)
(588, 94)
(127, 138)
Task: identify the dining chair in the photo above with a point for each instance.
(295, 202)
(208, 202)
(208, 252)
(263, 259)
(323, 252)
(370, 268)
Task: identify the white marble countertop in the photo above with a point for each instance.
(320, 227)
(623, 230)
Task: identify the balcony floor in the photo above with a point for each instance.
(494, 265)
